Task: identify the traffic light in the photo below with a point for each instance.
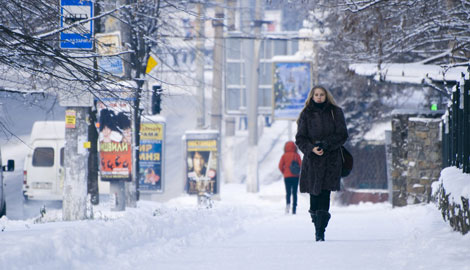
(156, 99)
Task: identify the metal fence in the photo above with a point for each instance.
(456, 129)
(369, 167)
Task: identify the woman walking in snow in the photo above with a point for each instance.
(321, 131)
(290, 167)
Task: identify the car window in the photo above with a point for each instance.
(62, 157)
(43, 157)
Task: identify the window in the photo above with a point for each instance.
(233, 98)
(233, 73)
(280, 47)
(294, 46)
(265, 73)
(43, 157)
(233, 48)
(264, 97)
(62, 157)
(266, 50)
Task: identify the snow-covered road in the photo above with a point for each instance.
(242, 231)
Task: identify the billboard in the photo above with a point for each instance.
(80, 36)
(202, 163)
(150, 156)
(115, 140)
(291, 85)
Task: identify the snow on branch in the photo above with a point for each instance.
(20, 91)
(357, 6)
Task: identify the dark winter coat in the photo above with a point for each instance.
(318, 124)
(290, 154)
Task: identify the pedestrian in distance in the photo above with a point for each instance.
(289, 165)
(321, 131)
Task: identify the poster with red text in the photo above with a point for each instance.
(115, 140)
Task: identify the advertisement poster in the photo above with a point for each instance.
(201, 166)
(108, 45)
(291, 85)
(115, 140)
(150, 157)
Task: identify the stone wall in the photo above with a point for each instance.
(416, 156)
(399, 159)
(424, 158)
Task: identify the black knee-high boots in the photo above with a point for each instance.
(319, 206)
(320, 219)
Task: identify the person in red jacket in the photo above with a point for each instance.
(290, 165)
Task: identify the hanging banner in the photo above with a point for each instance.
(115, 140)
(202, 153)
(151, 156)
(291, 85)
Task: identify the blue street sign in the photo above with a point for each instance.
(81, 36)
(111, 64)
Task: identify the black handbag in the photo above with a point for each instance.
(346, 157)
(348, 162)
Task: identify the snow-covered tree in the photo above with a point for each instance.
(381, 31)
(32, 62)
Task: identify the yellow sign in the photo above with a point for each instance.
(70, 119)
(151, 63)
(151, 131)
(202, 145)
(87, 145)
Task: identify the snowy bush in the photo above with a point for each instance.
(452, 193)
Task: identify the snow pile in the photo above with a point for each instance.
(455, 182)
(157, 229)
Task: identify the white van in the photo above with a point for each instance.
(44, 163)
(9, 167)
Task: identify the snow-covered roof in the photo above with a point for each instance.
(297, 57)
(424, 120)
(409, 72)
(202, 131)
(153, 118)
(48, 130)
(417, 112)
(377, 132)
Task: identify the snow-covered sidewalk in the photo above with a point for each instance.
(360, 237)
(242, 231)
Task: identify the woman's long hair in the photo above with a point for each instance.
(329, 98)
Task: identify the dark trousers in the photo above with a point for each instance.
(292, 184)
(320, 201)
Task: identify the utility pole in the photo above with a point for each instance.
(76, 131)
(75, 164)
(130, 186)
(216, 108)
(229, 131)
(123, 192)
(252, 102)
(93, 160)
(201, 117)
